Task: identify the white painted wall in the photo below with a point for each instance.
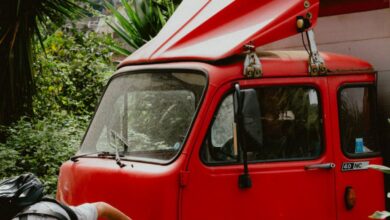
(365, 35)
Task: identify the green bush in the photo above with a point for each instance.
(40, 146)
(71, 74)
(69, 77)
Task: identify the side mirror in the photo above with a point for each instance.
(247, 117)
(247, 113)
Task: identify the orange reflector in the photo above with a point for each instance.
(349, 197)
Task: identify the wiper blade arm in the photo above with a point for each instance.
(106, 153)
(121, 139)
(99, 154)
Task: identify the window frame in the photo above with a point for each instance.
(359, 85)
(239, 162)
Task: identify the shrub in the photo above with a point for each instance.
(40, 146)
(71, 74)
(69, 77)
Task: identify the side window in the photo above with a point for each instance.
(357, 120)
(292, 127)
(219, 141)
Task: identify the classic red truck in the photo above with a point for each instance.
(198, 124)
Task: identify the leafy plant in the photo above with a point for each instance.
(380, 214)
(381, 168)
(40, 146)
(142, 21)
(19, 28)
(72, 72)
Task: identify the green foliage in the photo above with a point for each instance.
(143, 20)
(69, 76)
(380, 214)
(19, 27)
(381, 168)
(40, 146)
(72, 72)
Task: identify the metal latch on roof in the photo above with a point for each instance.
(316, 63)
(252, 65)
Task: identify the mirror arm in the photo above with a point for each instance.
(244, 180)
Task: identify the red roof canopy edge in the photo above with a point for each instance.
(210, 30)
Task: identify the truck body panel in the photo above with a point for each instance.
(277, 186)
(179, 189)
(318, 133)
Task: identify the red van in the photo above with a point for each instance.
(198, 124)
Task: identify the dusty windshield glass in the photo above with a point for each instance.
(145, 115)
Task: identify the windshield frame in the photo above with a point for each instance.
(125, 71)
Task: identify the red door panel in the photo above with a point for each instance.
(367, 184)
(280, 190)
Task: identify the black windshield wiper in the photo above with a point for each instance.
(120, 138)
(116, 136)
(117, 156)
(102, 154)
(99, 154)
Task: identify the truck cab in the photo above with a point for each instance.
(198, 124)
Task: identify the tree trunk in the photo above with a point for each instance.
(16, 82)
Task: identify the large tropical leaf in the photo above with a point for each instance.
(138, 21)
(381, 168)
(380, 215)
(20, 24)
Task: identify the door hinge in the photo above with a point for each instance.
(252, 65)
(184, 178)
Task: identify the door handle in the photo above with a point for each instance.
(324, 166)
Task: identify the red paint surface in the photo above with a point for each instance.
(282, 190)
(213, 30)
(336, 7)
(362, 181)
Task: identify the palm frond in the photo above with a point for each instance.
(19, 27)
(123, 34)
(123, 22)
(380, 215)
(381, 168)
(119, 50)
(140, 22)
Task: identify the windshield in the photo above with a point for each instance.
(145, 115)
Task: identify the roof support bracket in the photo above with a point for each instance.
(252, 65)
(316, 62)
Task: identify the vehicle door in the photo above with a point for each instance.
(359, 191)
(291, 172)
